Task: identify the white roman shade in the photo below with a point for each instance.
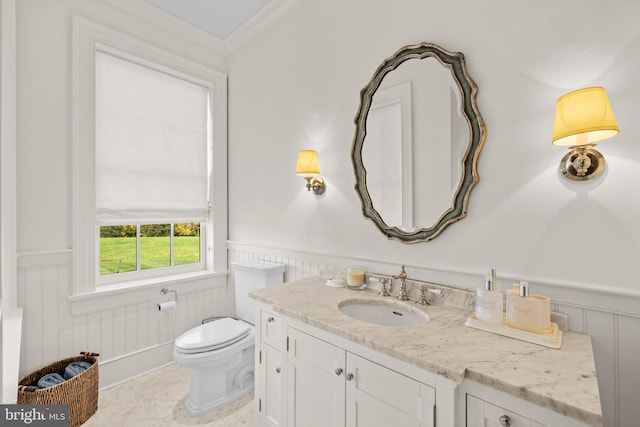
(151, 145)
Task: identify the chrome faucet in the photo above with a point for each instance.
(402, 292)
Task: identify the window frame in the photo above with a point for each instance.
(142, 274)
(89, 37)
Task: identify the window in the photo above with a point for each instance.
(151, 168)
(149, 162)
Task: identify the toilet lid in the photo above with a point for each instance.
(212, 335)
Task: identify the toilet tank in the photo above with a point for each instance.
(250, 275)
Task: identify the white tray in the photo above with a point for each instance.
(552, 337)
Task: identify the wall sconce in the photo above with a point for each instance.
(308, 168)
(583, 117)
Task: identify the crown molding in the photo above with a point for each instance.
(258, 22)
(165, 20)
(247, 31)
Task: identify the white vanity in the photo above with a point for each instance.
(316, 366)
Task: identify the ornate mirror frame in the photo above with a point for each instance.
(468, 89)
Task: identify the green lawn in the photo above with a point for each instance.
(118, 254)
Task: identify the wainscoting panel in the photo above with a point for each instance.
(628, 374)
(602, 328)
(612, 319)
(3, 349)
(121, 332)
(10, 344)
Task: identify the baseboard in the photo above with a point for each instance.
(121, 369)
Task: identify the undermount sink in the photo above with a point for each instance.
(381, 312)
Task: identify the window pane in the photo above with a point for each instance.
(186, 243)
(117, 249)
(155, 246)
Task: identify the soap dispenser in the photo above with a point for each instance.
(489, 302)
(528, 312)
(496, 283)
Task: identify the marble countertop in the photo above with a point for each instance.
(562, 380)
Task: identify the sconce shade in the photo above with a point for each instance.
(307, 163)
(583, 117)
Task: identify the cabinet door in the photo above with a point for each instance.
(316, 384)
(378, 396)
(484, 414)
(270, 403)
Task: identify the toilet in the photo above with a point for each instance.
(221, 352)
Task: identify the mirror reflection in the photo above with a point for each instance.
(418, 138)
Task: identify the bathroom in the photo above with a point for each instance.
(294, 84)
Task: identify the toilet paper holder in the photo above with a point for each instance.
(165, 291)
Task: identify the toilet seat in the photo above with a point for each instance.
(212, 336)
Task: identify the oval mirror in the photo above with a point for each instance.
(418, 138)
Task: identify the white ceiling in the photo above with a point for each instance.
(218, 17)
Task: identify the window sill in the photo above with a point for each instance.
(122, 294)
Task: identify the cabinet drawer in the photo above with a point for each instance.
(271, 329)
(485, 414)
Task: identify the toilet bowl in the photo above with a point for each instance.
(221, 357)
(221, 352)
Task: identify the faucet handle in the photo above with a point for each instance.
(390, 287)
(423, 296)
(384, 290)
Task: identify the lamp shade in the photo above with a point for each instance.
(307, 163)
(583, 117)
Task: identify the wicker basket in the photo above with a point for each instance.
(79, 392)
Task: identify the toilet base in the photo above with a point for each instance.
(194, 410)
(227, 380)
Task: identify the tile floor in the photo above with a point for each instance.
(157, 400)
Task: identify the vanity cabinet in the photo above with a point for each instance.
(303, 380)
(329, 386)
(312, 372)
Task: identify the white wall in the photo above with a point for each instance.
(131, 335)
(297, 87)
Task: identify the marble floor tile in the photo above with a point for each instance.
(157, 400)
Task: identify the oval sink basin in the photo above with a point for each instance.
(386, 313)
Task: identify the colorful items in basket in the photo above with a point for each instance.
(70, 371)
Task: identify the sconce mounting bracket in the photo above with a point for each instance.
(582, 163)
(317, 184)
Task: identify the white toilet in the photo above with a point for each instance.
(221, 352)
